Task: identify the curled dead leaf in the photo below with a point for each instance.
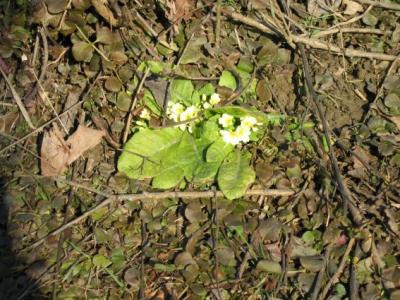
(105, 12)
(352, 8)
(57, 154)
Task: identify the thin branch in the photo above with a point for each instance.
(350, 30)
(311, 42)
(387, 5)
(321, 273)
(17, 99)
(353, 273)
(146, 195)
(218, 25)
(30, 96)
(334, 279)
(133, 105)
(317, 44)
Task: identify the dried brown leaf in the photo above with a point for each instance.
(105, 12)
(54, 153)
(8, 121)
(57, 154)
(83, 139)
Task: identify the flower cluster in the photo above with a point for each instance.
(237, 130)
(179, 113)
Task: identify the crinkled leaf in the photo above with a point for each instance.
(312, 263)
(235, 174)
(56, 6)
(150, 102)
(227, 80)
(142, 154)
(181, 91)
(192, 54)
(101, 261)
(124, 101)
(207, 89)
(269, 266)
(171, 171)
(82, 51)
(118, 57)
(113, 84)
(105, 35)
(206, 172)
(218, 151)
(208, 130)
(180, 161)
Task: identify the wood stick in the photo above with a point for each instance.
(18, 100)
(310, 42)
(157, 195)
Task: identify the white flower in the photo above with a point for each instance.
(240, 135)
(248, 122)
(206, 105)
(145, 114)
(215, 99)
(243, 133)
(190, 112)
(174, 111)
(226, 120)
(229, 137)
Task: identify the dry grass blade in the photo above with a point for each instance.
(18, 100)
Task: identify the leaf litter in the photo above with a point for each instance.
(251, 247)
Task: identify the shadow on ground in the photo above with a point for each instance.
(15, 283)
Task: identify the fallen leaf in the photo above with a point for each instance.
(8, 121)
(57, 154)
(73, 97)
(83, 139)
(54, 153)
(352, 8)
(395, 120)
(105, 12)
(176, 11)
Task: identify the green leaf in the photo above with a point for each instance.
(117, 257)
(124, 101)
(156, 67)
(181, 91)
(171, 171)
(235, 174)
(118, 57)
(82, 51)
(269, 266)
(142, 154)
(151, 102)
(105, 36)
(218, 151)
(180, 161)
(208, 130)
(227, 80)
(207, 89)
(206, 172)
(113, 84)
(56, 6)
(101, 261)
(192, 54)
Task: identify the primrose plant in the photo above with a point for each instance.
(203, 143)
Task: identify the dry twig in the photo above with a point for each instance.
(311, 42)
(17, 99)
(145, 195)
(339, 270)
